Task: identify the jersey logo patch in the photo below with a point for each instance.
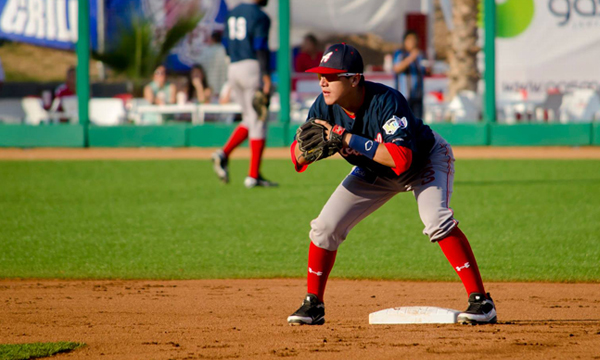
(395, 123)
(326, 57)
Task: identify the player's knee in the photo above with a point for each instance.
(325, 235)
(257, 131)
(439, 225)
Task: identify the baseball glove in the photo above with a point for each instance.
(260, 103)
(313, 143)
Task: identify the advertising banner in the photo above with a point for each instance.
(48, 23)
(544, 45)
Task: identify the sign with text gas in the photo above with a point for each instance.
(557, 46)
(49, 23)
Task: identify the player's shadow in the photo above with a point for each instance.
(525, 182)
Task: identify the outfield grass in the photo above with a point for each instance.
(35, 350)
(526, 220)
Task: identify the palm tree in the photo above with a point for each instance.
(463, 73)
(139, 51)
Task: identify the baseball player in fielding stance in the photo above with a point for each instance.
(392, 151)
(246, 40)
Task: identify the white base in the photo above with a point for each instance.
(414, 315)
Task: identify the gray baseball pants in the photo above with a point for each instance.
(361, 193)
(244, 78)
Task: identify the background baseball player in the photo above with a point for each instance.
(373, 128)
(246, 39)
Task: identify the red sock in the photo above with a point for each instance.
(256, 147)
(237, 137)
(458, 251)
(320, 263)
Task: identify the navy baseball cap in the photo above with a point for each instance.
(339, 59)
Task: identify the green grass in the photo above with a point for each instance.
(526, 220)
(35, 350)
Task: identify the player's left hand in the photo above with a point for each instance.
(260, 103)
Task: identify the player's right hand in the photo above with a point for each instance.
(313, 141)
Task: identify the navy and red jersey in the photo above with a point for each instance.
(384, 117)
(246, 31)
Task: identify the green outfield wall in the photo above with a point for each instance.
(209, 135)
(596, 134)
(463, 134)
(138, 136)
(541, 134)
(213, 135)
(25, 136)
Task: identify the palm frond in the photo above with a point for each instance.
(137, 52)
(176, 33)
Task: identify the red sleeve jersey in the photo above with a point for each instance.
(299, 168)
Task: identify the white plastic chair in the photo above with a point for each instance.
(107, 111)
(11, 111)
(579, 106)
(507, 103)
(34, 111)
(70, 108)
(465, 107)
(133, 113)
(434, 109)
(549, 108)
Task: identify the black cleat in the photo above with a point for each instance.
(220, 161)
(312, 312)
(251, 182)
(481, 310)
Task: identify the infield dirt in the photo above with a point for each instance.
(246, 319)
(460, 152)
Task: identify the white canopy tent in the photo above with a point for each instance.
(327, 17)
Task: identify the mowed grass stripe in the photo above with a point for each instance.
(527, 220)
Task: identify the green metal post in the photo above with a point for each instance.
(284, 65)
(490, 60)
(83, 63)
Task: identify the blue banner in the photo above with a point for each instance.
(47, 23)
(53, 23)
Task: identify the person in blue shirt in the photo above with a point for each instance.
(392, 151)
(410, 72)
(246, 39)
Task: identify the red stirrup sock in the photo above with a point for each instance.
(256, 147)
(237, 137)
(320, 263)
(458, 251)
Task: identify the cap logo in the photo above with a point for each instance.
(326, 57)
